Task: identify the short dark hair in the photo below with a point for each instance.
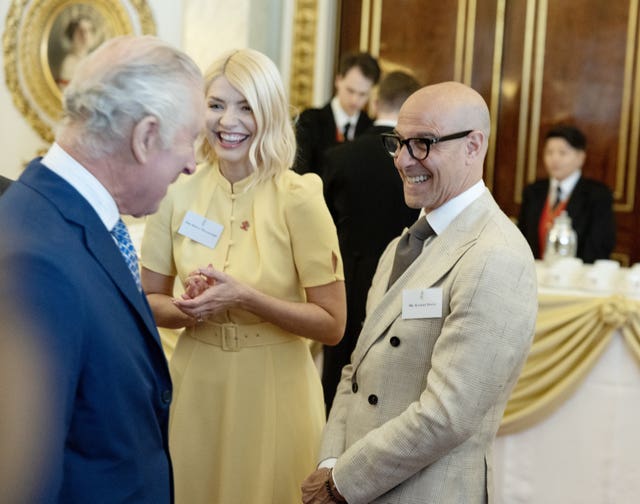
(395, 87)
(367, 64)
(571, 134)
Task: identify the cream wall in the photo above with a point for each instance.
(203, 28)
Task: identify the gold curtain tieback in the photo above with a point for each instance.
(616, 311)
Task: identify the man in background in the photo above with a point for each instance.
(450, 319)
(131, 115)
(588, 202)
(364, 194)
(343, 118)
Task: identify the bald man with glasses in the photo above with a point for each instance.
(450, 319)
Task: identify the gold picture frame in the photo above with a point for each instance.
(43, 39)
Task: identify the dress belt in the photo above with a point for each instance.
(233, 337)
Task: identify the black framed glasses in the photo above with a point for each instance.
(418, 147)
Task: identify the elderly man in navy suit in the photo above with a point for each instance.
(131, 115)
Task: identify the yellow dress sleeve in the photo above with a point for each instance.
(157, 244)
(314, 240)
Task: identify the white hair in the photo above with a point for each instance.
(126, 79)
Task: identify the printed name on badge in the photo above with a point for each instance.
(422, 303)
(200, 229)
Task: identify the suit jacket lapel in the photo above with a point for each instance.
(432, 264)
(99, 242)
(101, 245)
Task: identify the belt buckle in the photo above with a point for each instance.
(230, 342)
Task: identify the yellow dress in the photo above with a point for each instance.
(245, 420)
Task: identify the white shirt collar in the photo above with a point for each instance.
(567, 185)
(442, 216)
(61, 163)
(385, 122)
(341, 116)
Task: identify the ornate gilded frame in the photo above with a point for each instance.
(303, 55)
(34, 46)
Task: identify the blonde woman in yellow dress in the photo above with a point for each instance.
(255, 248)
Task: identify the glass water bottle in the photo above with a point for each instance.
(562, 240)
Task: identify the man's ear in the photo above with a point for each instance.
(474, 144)
(144, 137)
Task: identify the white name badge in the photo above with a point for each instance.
(200, 229)
(422, 303)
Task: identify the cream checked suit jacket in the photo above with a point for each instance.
(419, 405)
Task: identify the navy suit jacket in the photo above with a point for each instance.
(364, 194)
(315, 133)
(590, 207)
(110, 387)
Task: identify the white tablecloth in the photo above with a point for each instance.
(587, 451)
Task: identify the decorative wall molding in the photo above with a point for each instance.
(305, 21)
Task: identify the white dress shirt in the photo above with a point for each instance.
(342, 118)
(566, 186)
(62, 164)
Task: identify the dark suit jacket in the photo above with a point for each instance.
(315, 132)
(590, 207)
(364, 194)
(110, 387)
(4, 184)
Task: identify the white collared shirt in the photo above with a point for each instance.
(566, 186)
(62, 164)
(385, 122)
(440, 218)
(342, 118)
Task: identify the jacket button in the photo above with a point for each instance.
(166, 396)
(373, 399)
(354, 387)
(395, 341)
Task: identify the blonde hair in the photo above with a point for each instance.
(257, 78)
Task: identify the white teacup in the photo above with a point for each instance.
(631, 282)
(564, 273)
(606, 265)
(602, 275)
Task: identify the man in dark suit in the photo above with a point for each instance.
(343, 118)
(131, 115)
(4, 184)
(364, 194)
(588, 202)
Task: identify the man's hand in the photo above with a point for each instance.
(319, 488)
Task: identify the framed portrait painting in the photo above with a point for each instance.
(44, 40)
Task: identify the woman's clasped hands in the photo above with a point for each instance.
(208, 292)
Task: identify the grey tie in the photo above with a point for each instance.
(409, 247)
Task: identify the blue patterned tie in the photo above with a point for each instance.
(122, 238)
